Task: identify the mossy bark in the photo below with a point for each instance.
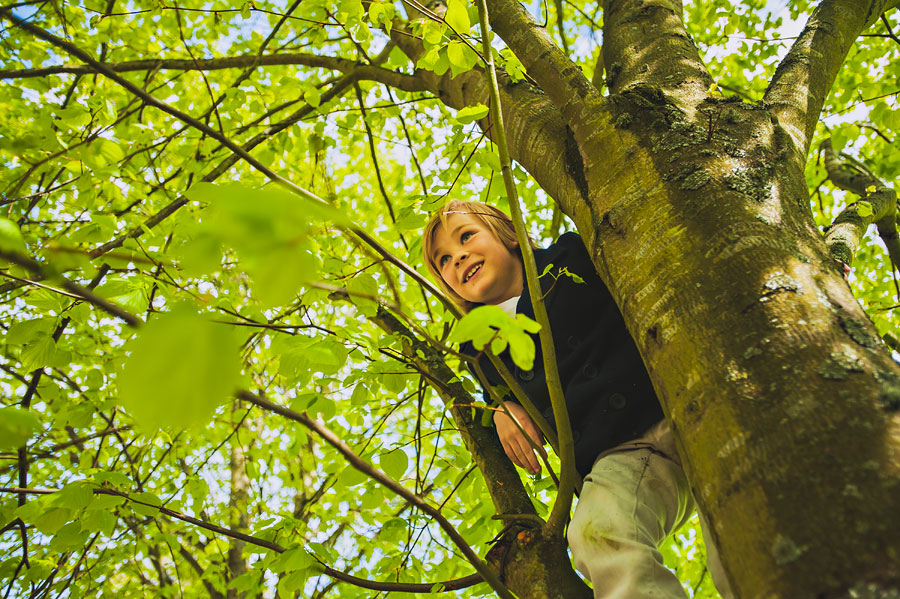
(784, 401)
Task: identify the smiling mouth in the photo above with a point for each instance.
(472, 272)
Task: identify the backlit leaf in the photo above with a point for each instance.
(181, 368)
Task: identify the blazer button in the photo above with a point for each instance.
(526, 375)
(573, 341)
(590, 371)
(617, 401)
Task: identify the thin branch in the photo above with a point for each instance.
(559, 515)
(891, 33)
(359, 464)
(83, 293)
(449, 585)
(409, 83)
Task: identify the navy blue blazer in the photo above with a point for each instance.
(607, 388)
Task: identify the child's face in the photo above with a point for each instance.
(474, 262)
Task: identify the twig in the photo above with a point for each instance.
(559, 515)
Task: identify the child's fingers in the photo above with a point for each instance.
(521, 455)
(526, 455)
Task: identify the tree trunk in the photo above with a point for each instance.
(240, 519)
(781, 394)
(696, 211)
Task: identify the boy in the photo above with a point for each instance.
(635, 493)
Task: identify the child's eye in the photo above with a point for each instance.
(443, 260)
(465, 236)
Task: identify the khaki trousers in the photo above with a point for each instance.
(635, 496)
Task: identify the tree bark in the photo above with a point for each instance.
(240, 518)
(785, 403)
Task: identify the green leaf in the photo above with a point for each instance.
(269, 229)
(491, 324)
(39, 352)
(864, 209)
(313, 97)
(291, 560)
(52, 520)
(394, 463)
(74, 496)
(117, 479)
(103, 501)
(16, 427)
(433, 33)
(180, 369)
(290, 584)
(69, 538)
(11, 239)
(461, 57)
(110, 151)
(28, 330)
(102, 521)
(470, 114)
(457, 16)
(145, 504)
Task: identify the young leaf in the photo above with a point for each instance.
(16, 427)
(457, 16)
(461, 57)
(10, 236)
(394, 463)
(181, 367)
(471, 113)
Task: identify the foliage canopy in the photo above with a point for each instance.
(112, 206)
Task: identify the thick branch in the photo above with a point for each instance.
(554, 72)
(538, 136)
(402, 81)
(878, 206)
(805, 76)
(646, 43)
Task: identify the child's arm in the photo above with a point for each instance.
(515, 444)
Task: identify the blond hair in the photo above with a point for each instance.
(497, 222)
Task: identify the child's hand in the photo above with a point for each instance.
(515, 444)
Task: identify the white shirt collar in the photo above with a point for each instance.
(509, 306)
